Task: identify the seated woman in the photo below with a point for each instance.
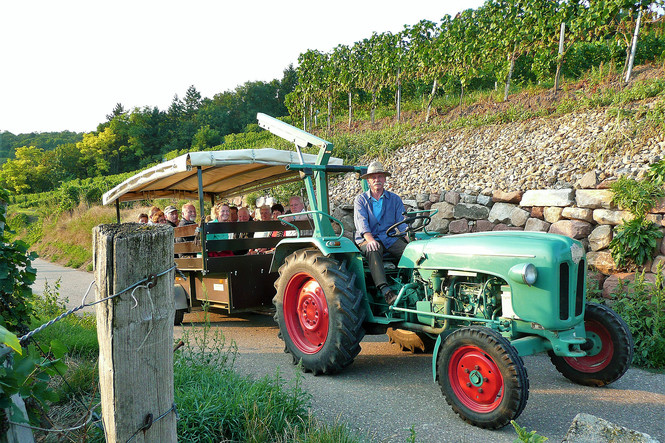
(222, 214)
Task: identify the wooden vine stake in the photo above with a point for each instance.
(135, 333)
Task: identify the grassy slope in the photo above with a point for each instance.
(65, 238)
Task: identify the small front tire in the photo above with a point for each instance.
(610, 353)
(482, 377)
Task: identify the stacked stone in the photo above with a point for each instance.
(587, 215)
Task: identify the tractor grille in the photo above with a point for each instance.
(565, 296)
(579, 295)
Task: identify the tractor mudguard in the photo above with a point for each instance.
(181, 301)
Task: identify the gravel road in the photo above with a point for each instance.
(386, 393)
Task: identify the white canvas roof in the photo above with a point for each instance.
(226, 173)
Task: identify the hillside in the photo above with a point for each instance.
(534, 140)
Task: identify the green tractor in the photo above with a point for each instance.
(480, 301)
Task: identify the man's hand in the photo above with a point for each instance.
(371, 245)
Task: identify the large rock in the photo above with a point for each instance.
(552, 214)
(602, 261)
(446, 210)
(458, 226)
(578, 214)
(576, 229)
(658, 261)
(468, 198)
(536, 224)
(588, 180)
(484, 200)
(471, 211)
(500, 212)
(537, 212)
(623, 278)
(600, 237)
(507, 197)
(589, 429)
(518, 216)
(452, 197)
(608, 217)
(548, 197)
(482, 226)
(439, 224)
(659, 208)
(594, 198)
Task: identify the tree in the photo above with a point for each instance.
(28, 172)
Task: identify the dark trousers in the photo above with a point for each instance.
(375, 259)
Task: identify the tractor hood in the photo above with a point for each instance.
(472, 252)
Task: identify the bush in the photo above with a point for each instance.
(634, 242)
(644, 312)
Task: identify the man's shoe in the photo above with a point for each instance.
(390, 296)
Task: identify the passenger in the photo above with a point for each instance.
(171, 215)
(188, 215)
(243, 216)
(234, 213)
(265, 215)
(276, 211)
(158, 218)
(373, 212)
(296, 205)
(222, 215)
(143, 218)
(152, 210)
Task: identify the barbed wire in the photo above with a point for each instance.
(149, 421)
(27, 336)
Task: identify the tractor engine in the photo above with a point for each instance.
(465, 294)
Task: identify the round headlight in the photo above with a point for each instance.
(524, 273)
(529, 274)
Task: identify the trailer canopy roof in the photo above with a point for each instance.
(224, 173)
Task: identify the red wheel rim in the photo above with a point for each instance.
(601, 353)
(306, 313)
(475, 379)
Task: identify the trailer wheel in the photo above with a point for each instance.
(319, 312)
(610, 347)
(411, 340)
(482, 377)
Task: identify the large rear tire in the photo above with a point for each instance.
(611, 349)
(319, 312)
(482, 377)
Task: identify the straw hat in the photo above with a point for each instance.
(375, 167)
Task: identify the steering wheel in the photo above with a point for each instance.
(393, 232)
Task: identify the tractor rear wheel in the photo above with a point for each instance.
(319, 312)
(610, 350)
(482, 377)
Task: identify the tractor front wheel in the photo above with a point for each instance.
(319, 312)
(609, 349)
(482, 377)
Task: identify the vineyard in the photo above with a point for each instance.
(534, 41)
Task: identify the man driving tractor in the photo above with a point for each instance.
(374, 212)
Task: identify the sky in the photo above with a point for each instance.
(67, 63)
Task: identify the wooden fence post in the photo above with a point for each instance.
(135, 334)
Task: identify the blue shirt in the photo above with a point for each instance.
(365, 220)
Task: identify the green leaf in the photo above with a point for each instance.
(9, 339)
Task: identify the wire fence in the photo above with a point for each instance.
(91, 417)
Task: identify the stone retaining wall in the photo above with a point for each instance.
(587, 215)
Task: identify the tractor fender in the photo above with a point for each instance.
(327, 246)
(181, 299)
(435, 355)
